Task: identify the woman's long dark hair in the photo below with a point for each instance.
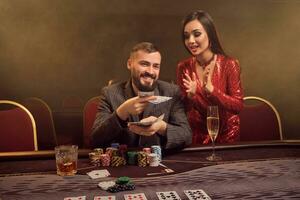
(205, 19)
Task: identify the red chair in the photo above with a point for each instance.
(89, 116)
(17, 128)
(44, 122)
(259, 120)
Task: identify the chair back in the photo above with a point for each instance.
(44, 122)
(89, 116)
(17, 128)
(259, 120)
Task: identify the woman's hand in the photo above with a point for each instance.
(190, 83)
(207, 79)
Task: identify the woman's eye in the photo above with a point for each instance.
(197, 34)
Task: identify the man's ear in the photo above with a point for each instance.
(129, 63)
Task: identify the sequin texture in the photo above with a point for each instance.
(227, 95)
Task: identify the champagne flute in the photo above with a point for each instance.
(213, 129)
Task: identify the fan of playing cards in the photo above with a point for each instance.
(159, 99)
(147, 123)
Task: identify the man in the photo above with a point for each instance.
(120, 104)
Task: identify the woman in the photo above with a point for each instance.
(209, 77)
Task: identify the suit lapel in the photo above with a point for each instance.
(129, 94)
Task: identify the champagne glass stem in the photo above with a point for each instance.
(213, 148)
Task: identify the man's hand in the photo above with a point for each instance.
(133, 106)
(159, 127)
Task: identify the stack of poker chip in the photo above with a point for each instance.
(105, 160)
(122, 184)
(111, 151)
(153, 160)
(156, 149)
(98, 151)
(123, 150)
(132, 157)
(94, 159)
(142, 159)
(117, 161)
(95, 156)
(147, 150)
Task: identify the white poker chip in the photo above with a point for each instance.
(104, 185)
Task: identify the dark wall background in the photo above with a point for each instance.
(56, 48)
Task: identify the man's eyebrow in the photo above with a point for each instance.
(144, 62)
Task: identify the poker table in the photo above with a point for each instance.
(261, 170)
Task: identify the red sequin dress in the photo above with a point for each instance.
(227, 95)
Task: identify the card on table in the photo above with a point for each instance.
(136, 196)
(75, 198)
(104, 185)
(98, 173)
(105, 198)
(168, 195)
(196, 195)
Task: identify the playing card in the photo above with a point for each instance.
(137, 196)
(196, 195)
(168, 195)
(98, 173)
(147, 123)
(145, 94)
(160, 99)
(105, 198)
(104, 185)
(75, 198)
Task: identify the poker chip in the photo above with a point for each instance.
(104, 185)
(132, 157)
(147, 150)
(94, 159)
(111, 151)
(123, 150)
(153, 160)
(98, 151)
(105, 160)
(156, 149)
(119, 188)
(117, 161)
(115, 145)
(142, 159)
(123, 180)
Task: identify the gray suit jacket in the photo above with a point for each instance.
(108, 128)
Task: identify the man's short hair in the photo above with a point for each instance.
(144, 46)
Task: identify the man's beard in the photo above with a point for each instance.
(144, 88)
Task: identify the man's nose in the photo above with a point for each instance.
(150, 70)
